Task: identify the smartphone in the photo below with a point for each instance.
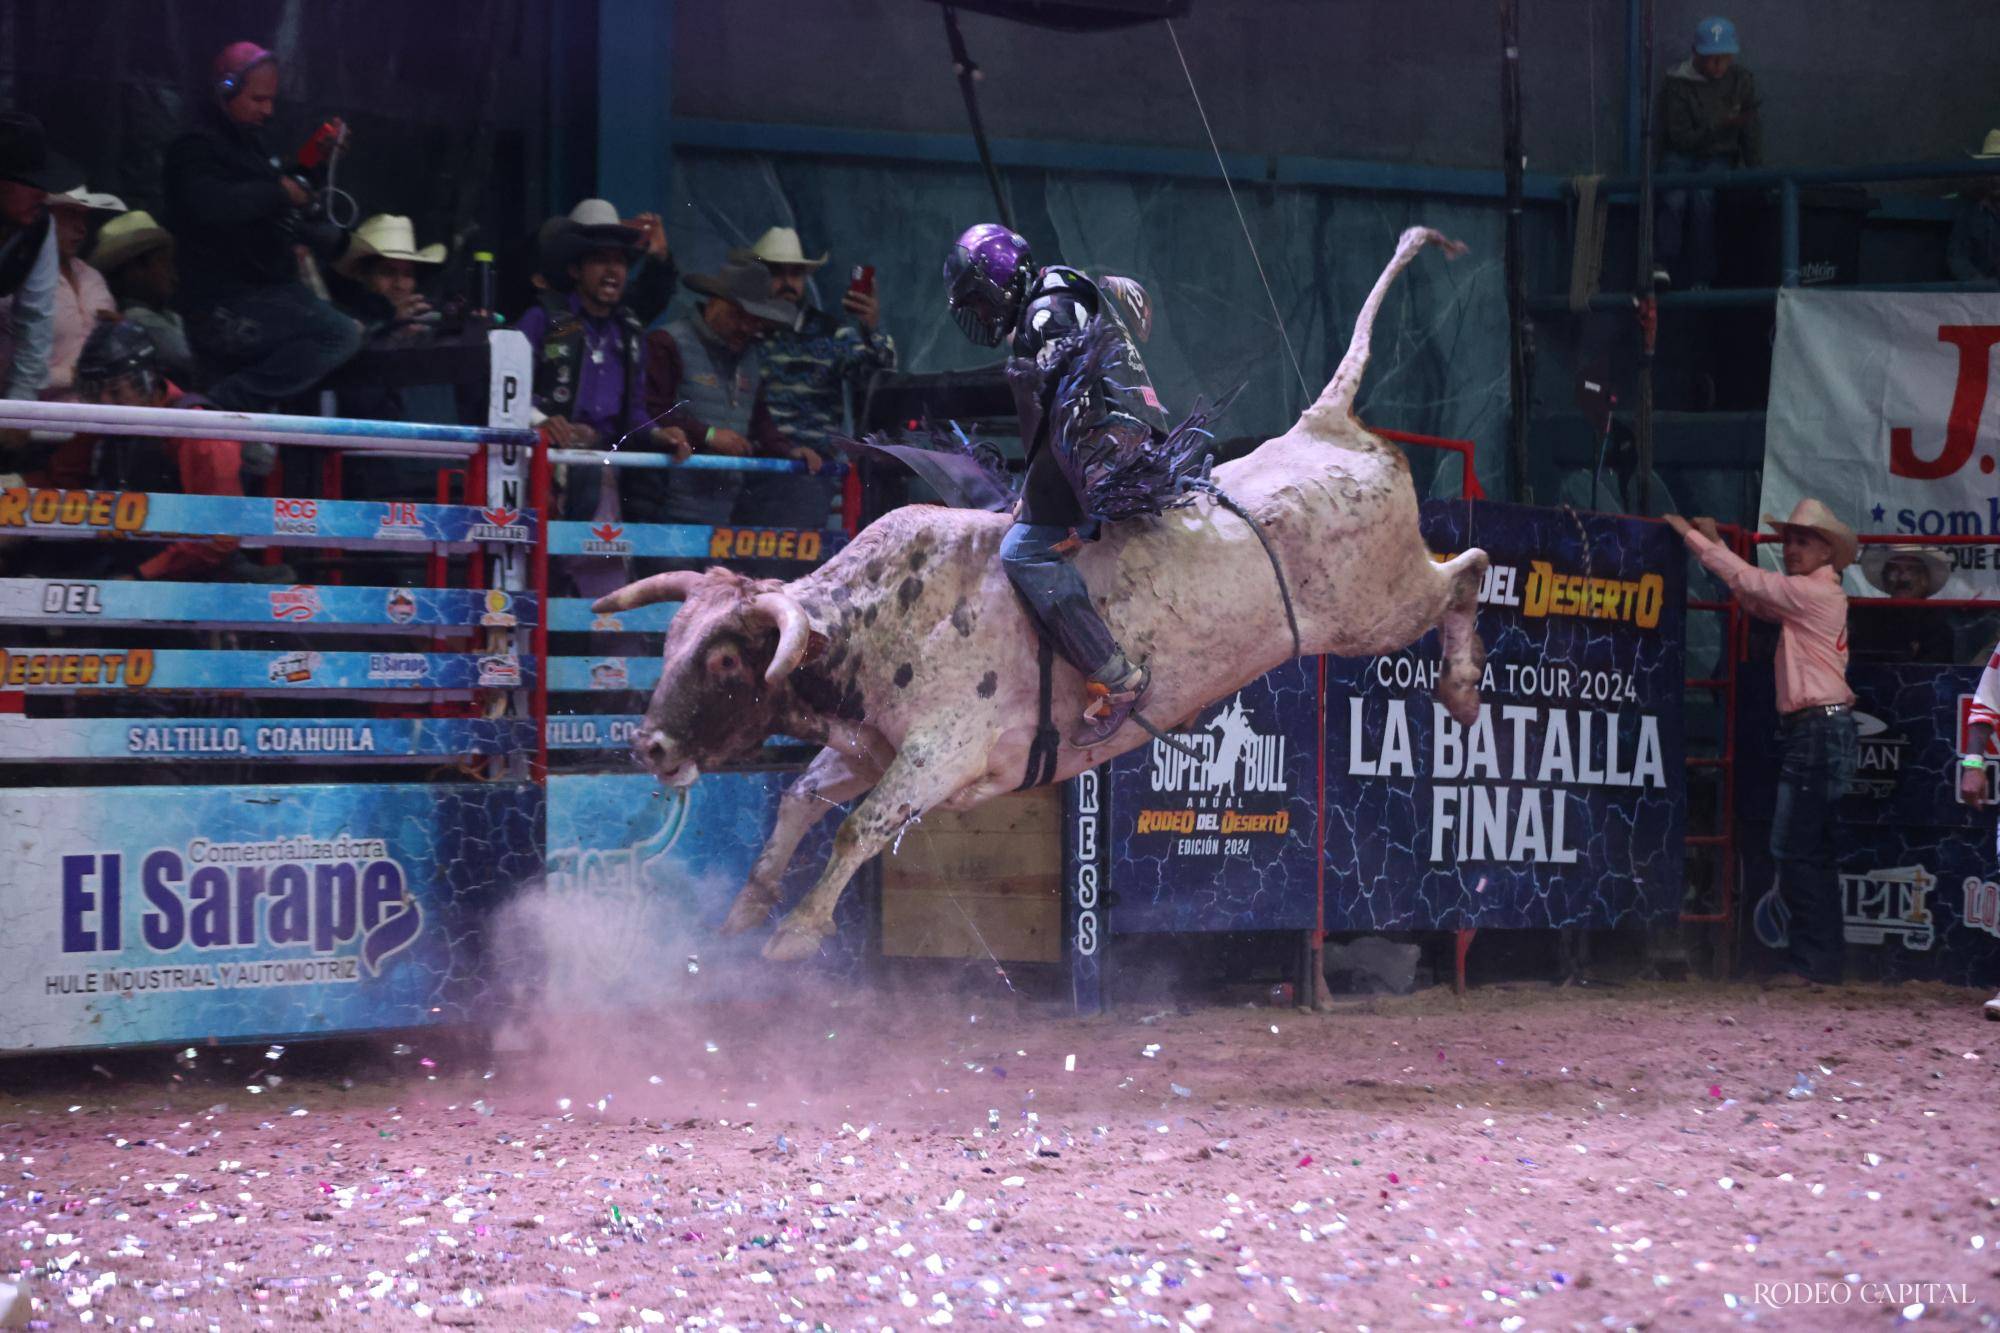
(861, 281)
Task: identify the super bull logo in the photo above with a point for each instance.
(332, 898)
(1890, 903)
(1231, 758)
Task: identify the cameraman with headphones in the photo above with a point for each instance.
(241, 221)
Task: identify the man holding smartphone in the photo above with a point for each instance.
(806, 374)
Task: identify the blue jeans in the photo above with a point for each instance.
(1817, 759)
(1056, 594)
(1684, 227)
(273, 343)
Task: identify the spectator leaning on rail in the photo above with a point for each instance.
(1816, 718)
(1983, 720)
(136, 256)
(806, 372)
(240, 220)
(1709, 121)
(1973, 254)
(30, 268)
(120, 366)
(704, 370)
(590, 355)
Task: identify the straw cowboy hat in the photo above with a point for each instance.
(386, 236)
(779, 245)
(1816, 518)
(85, 198)
(127, 237)
(747, 283)
(1876, 560)
(1990, 149)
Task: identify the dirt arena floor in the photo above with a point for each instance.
(1649, 1157)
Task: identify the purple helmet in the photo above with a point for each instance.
(985, 277)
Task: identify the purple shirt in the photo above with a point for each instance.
(599, 398)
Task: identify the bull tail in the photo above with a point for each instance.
(1337, 401)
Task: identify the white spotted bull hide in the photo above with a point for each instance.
(910, 658)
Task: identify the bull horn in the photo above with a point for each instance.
(676, 586)
(794, 634)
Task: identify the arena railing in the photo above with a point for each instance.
(491, 701)
(1787, 181)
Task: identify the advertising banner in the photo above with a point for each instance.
(318, 740)
(1225, 841)
(67, 671)
(1917, 867)
(1881, 405)
(689, 541)
(176, 914)
(300, 606)
(647, 873)
(572, 615)
(1564, 804)
(55, 512)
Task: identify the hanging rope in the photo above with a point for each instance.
(1241, 220)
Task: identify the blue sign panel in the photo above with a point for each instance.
(299, 606)
(68, 671)
(1223, 839)
(52, 512)
(1564, 803)
(688, 541)
(175, 914)
(1918, 868)
(318, 740)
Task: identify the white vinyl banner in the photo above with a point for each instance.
(1882, 405)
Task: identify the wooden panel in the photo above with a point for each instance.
(985, 883)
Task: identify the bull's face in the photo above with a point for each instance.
(722, 676)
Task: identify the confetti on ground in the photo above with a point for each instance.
(735, 1167)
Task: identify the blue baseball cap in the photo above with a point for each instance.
(1715, 37)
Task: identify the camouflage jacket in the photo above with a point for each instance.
(804, 372)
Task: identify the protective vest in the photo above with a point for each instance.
(560, 366)
(723, 401)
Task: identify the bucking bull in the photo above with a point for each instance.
(909, 657)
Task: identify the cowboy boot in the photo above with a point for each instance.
(1111, 696)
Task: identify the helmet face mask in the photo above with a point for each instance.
(119, 365)
(986, 276)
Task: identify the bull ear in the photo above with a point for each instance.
(794, 633)
(676, 586)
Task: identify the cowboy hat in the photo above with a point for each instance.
(592, 225)
(1816, 518)
(127, 237)
(82, 197)
(1876, 560)
(779, 245)
(386, 236)
(746, 283)
(1990, 149)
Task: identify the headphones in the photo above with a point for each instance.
(230, 81)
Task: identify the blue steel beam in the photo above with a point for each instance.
(635, 97)
(1117, 159)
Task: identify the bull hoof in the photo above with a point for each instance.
(750, 911)
(793, 942)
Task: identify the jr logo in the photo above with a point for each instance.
(1975, 343)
